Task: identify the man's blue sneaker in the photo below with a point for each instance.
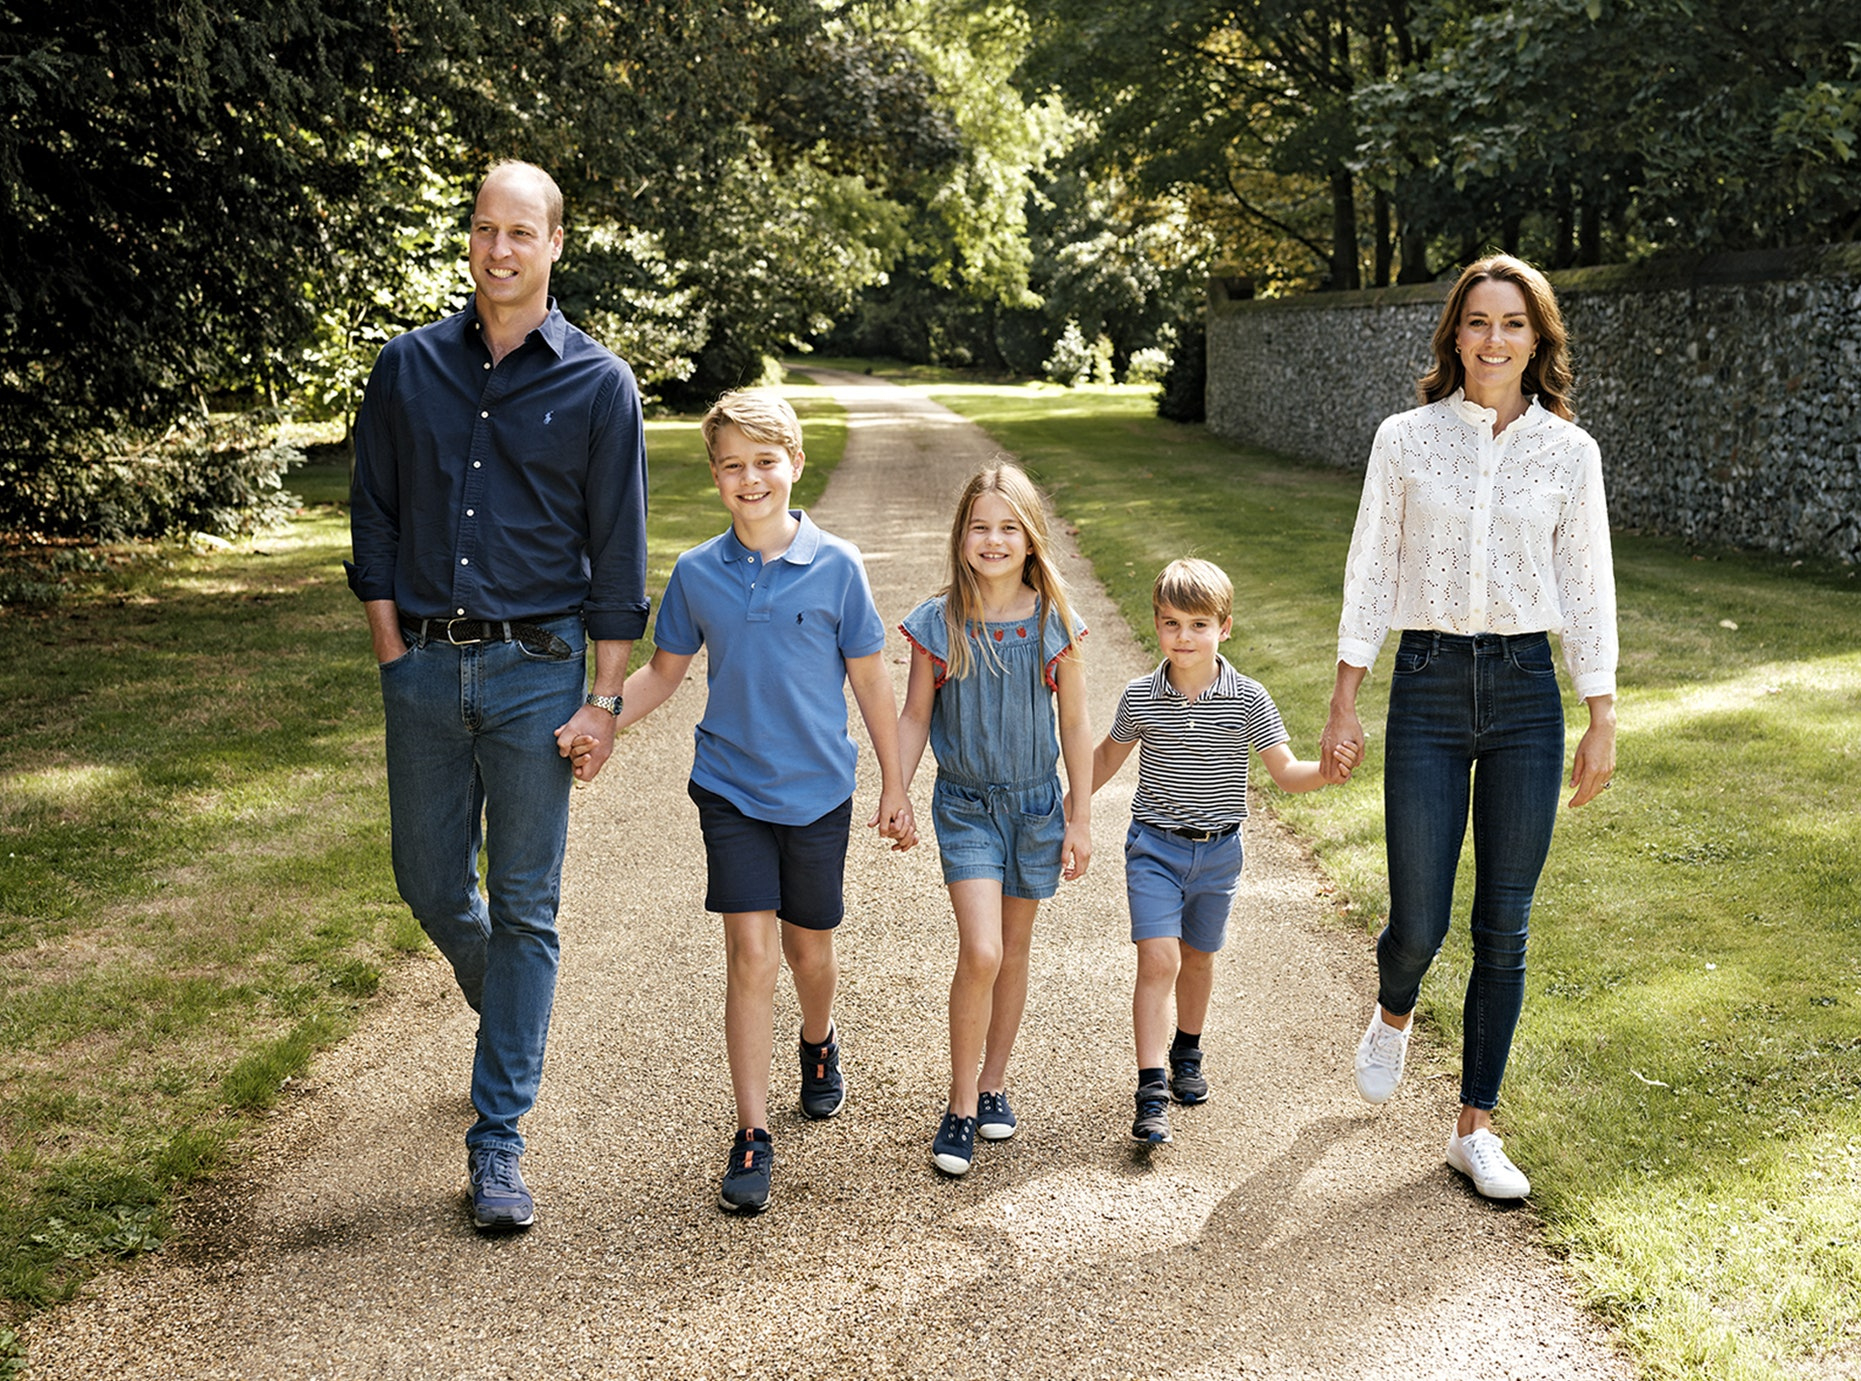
(1152, 1126)
(1187, 1085)
(995, 1120)
(823, 1089)
(500, 1200)
(746, 1179)
(954, 1146)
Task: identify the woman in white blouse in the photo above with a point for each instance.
(1482, 529)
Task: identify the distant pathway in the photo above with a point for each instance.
(1290, 1232)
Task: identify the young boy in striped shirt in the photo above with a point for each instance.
(1197, 719)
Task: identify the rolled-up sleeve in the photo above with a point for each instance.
(374, 489)
(617, 603)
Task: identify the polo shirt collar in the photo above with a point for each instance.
(554, 330)
(801, 551)
(1226, 687)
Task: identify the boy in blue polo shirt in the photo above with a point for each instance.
(785, 615)
(1197, 719)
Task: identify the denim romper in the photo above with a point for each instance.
(997, 803)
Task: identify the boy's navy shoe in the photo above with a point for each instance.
(823, 1089)
(995, 1120)
(746, 1179)
(1187, 1086)
(955, 1144)
(500, 1200)
(1152, 1126)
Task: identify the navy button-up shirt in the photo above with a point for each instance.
(507, 492)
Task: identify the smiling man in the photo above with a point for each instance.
(498, 517)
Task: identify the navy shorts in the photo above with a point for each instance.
(796, 871)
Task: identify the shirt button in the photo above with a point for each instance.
(461, 613)
(477, 463)
(471, 512)
(484, 414)
(464, 562)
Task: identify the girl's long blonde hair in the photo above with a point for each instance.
(963, 595)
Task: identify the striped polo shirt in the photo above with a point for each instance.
(1192, 755)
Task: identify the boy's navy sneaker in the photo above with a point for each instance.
(995, 1120)
(1152, 1126)
(501, 1201)
(1187, 1086)
(823, 1088)
(954, 1146)
(746, 1178)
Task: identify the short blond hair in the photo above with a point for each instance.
(1194, 586)
(760, 414)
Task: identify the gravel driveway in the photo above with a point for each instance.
(1290, 1231)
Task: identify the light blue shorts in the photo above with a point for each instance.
(1179, 889)
(1011, 834)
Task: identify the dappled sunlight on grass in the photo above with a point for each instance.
(57, 790)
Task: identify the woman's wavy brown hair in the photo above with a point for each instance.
(1547, 374)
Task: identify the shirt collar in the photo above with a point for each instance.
(1227, 684)
(554, 329)
(800, 552)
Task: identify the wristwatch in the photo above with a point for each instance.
(610, 703)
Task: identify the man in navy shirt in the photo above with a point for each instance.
(498, 517)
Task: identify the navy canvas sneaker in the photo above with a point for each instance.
(746, 1178)
(954, 1146)
(995, 1120)
(1187, 1086)
(501, 1201)
(823, 1089)
(1153, 1117)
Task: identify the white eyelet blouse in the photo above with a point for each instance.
(1462, 532)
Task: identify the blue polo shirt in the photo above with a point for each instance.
(773, 741)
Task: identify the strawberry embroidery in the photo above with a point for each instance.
(996, 633)
(1020, 632)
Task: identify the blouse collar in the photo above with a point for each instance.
(1475, 415)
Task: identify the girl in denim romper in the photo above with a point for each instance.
(997, 691)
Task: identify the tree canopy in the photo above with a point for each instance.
(209, 206)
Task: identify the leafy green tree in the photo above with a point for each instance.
(1606, 128)
(1244, 108)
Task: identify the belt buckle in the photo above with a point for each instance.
(461, 642)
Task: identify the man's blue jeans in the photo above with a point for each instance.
(1486, 706)
(472, 760)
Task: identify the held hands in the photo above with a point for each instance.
(1075, 848)
(1340, 747)
(894, 821)
(586, 741)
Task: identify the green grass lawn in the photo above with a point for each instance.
(195, 893)
(1684, 1086)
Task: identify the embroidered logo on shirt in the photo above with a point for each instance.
(798, 618)
(549, 417)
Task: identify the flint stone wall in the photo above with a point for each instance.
(1722, 390)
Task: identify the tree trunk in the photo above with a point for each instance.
(1345, 273)
(1564, 242)
(1380, 217)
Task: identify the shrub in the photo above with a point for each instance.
(222, 477)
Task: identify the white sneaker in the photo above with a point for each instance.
(1481, 1157)
(1380, 1057)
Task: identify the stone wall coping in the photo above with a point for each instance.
(1661, 273)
